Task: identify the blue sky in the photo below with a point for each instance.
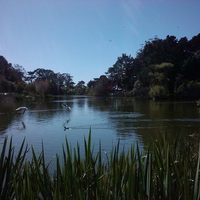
(85, 37)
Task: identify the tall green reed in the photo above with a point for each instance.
(166, 170)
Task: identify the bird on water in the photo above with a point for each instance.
(65, 128)
(21, 109)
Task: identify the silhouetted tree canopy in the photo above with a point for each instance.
(163, 68)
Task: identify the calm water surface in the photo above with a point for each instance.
(110, 119)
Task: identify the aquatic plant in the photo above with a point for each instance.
(166, 170)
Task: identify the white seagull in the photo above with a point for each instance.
(21, 109)
(66, 106)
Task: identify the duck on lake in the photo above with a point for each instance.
(64, 125)
(21, 109)
(65, 128)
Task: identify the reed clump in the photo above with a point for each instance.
(166, 170)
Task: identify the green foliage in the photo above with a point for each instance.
(7, 86)
(47, 81)
(41, 86)
(161, 79)
(140, 91)
(169, 63)
(99, 87)
(10, 169)
(80, 88)
(191, 68)
(163, 61)
(20, 87)
(166, 170)
(122, 73)
(30, 88)
(158, 92)
(189, 90)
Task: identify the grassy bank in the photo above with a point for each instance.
(162, 171)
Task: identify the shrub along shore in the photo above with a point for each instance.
(166, 170)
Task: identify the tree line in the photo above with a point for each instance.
(162, 69)
(15, 79)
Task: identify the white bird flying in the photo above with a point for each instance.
(21, 109)
(66, 106)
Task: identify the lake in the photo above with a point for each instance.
(110, 118)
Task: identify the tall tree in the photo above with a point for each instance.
(121, 73)
(80, 87)
(10, 76)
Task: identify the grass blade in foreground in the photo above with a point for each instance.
(165, 171)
